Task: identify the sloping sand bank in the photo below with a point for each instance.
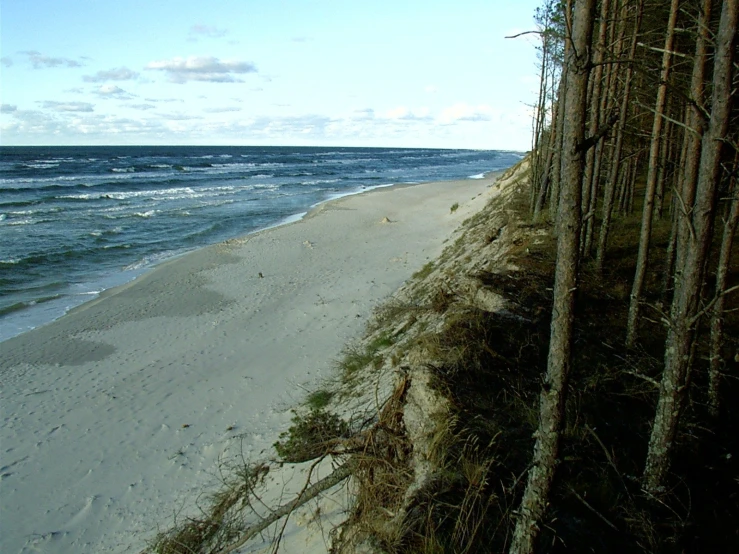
(116, 415)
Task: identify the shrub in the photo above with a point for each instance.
(311, 436)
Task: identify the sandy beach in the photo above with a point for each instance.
(117, 415)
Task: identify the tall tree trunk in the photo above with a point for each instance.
(695, 127)
(716, 360)
(632, 326)
(537, 152)
(595, 111)
(684, 312)
(618, 148)
(552, 398)
(607, 103)
(557, 166)
(546, 178)
(665, 153)
(558, 156)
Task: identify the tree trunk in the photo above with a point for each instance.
(557, 166)
(546, 178)
(685, 306)
(537, 153)
(696, 123)
(632, 326)
(552, 398)
(595, 113)
(607, 103)
(674, 212)
(716, 361)
(618, 148)
(665, 152)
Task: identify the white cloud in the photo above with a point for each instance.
(39, 61)
(202, 68)
(206, 31)
(67, 106)
(431, 89)
(6, 61)
(464, 112)
(113, 91)
(142, 107)
(222, 110)
(8, 108)
(403, 113)
(116, 74)
(164, 99)
(179, 116)
(366, 114)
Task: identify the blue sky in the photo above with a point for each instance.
(412, 73)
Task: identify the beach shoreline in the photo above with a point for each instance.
(117, 414)
(15, 322)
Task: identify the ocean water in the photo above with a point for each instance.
(77, 220)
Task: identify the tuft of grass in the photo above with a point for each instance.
(424, 272)
(354, 359)
(454, 207)
(319, 399)
(360, 356)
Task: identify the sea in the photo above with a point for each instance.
(75, 221)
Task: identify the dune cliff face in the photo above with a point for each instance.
(414, 417)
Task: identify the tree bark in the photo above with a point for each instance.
(595, 112)
(716, 361)
(552, 398)
(632, 325)
(610, 189)
(695, 122)
(537, 153)
(557, 165)
(674, 212)
(684, 312)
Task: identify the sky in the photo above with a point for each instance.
(397, 73)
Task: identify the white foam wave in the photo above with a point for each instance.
(41, 165)
(123, 170)
(26, 221)
(321, 181)
(167, 193)
(477, 176)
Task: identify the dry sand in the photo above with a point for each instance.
(115, 416)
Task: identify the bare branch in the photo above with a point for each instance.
(671, 52)
(526, 33)
(307, 494)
